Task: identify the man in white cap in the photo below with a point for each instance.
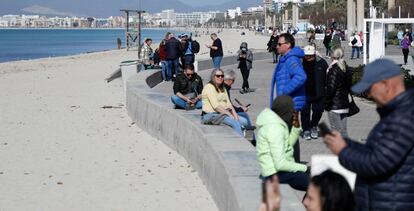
(315, 68)
(385, 163)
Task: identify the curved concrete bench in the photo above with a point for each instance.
(225, 162)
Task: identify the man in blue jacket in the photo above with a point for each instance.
(289, 77)
(385, 163)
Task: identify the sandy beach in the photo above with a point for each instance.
(61, 150)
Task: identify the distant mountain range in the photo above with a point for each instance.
(98, 8)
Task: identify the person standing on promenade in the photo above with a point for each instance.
(146, 53)
(245, 58)
(337, 91)
(272, 46)
(119, 42)
(384, 165)
(162, 53)
(188, 56)
(327, 42)
(216, 50)
(355, 43)
(405, 46)
(172, 47)
(289, 77)
(315, 68)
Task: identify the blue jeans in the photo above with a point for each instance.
(217, 62)
(236, 125)
(188, 60)
(353, 52)
(173, 68)
(182, 104)
(164, 68)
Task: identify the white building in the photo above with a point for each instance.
(192, 19)
(255, 9)
(233, 13)
(168, 17)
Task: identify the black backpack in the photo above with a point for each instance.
(195, 46)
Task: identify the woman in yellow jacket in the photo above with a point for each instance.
(279, 129)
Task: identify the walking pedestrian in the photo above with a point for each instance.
(216, 51)
(245, 58)
(315, 68)
(119, 42)
(337, 91)
(289, 77)
(405, 46)
(355, 43)
(384, 165)
(327, 43)
(272, 46)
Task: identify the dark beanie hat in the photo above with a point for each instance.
(283, 106)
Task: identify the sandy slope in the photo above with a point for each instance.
(60, 150)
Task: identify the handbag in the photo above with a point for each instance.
(353, 108)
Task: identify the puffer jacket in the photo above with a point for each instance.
(385, 164)
(173, 49)
(275, 145)
(289, 78)
(185, 85)
(146, 53)
(337, 89)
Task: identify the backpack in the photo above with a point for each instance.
(195, 46)
(354, 41)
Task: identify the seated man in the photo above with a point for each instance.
(229, 78)
(187, 89)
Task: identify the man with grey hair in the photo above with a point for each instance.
(229, 78)
(384, 165)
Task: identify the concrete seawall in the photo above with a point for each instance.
(225, 162)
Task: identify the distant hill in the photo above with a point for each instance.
(97, 8)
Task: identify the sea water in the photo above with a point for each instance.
(24, 44)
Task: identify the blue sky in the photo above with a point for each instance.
(203, 2)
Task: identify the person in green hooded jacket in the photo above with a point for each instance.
(278, 130)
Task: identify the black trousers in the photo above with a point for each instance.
(316, 107)
(245, 74)
(405, 52)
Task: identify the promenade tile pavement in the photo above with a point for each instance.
(260, 78)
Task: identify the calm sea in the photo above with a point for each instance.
(23, 44)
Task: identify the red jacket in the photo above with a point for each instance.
(162, 52)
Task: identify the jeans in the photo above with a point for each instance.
(173, 68)
(328, 52)
(353, 52)
(317, 108)
(182, 103)
(275, 55)
(296, 180)
(245, 74)
(236, 125)
(188, 60)
(338, 122)
(405, 53)
(164, 68)
(217, 62)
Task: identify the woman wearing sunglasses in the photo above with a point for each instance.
(217, 107)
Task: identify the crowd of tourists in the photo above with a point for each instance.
(304, 85)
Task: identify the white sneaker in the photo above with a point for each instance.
(314, 133)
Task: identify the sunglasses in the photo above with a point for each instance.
(280, 44)
(191, 74)
(219, 76)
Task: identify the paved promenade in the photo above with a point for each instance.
(260, 79)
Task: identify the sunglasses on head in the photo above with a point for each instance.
(219, 76)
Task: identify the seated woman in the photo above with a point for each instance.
(187, 89)
(329, 191)
(279, 130)
(216, 103)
